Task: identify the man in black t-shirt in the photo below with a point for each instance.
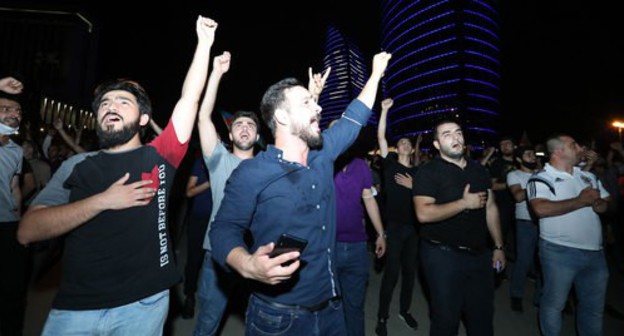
(112, 205)
(454, 204)
(401, 225)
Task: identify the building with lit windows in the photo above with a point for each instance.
(445, 59)
(347, 78)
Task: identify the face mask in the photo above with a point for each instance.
(8, 130)
(530, 165)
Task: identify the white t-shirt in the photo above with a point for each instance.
(520, 177)
(580, 228)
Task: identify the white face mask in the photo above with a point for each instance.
(8, 130)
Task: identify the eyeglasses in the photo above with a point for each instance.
(7, 108)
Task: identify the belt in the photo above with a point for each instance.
(446, 247)
(311, 309)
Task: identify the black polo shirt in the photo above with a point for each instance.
(445, 182)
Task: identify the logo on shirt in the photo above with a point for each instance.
(158, 176)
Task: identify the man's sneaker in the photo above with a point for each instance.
(381, 330)
(516, 304)
(409, 320)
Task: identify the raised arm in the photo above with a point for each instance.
(185, 111)
(207, 133)
(58, 125)
(369, 92)
(386, 104)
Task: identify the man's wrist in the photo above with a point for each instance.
(499, 247)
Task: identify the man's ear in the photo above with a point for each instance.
(436, 144)
(281, 116)
(231, 137)
(257, 137)
(144, 120)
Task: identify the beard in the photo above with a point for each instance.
(113, 138)
(313, 140)
(530, 165)
(244, 146)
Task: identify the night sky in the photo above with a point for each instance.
(560, 60)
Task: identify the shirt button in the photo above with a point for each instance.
(314, 186)
(328, 250)
(323, 228)
(318, 206)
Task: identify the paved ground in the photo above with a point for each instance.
(506, 322)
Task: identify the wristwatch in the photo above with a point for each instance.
(500, 247)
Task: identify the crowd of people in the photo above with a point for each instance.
(456, 218)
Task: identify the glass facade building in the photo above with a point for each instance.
(445, 60)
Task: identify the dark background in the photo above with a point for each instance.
(561, 62)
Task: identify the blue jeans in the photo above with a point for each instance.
(212, 297)
(526, 246)
(461, 285)
(352, 270)
(143, 317)
(263, 320)
(563, 267)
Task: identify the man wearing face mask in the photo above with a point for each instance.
(526, 227)
(13, 282)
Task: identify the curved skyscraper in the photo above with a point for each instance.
(445, 59)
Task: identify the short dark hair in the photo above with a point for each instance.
(273, 98)
(246, 114)
(12, 97)
(519, 151)
(507, 137)
(441, 120)
(145, 105)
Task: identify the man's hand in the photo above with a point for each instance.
(206, 28)
(316, 82)
(403, 180)
(380, 62)
(122, 196)
(259, 266)
(11, 85)
(474, 200)
(588, 196)
(222, 62)
(386, 104)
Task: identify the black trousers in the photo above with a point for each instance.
(401, 258)
(13, 281)
(195, 252)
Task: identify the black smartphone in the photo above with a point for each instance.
(288, 243)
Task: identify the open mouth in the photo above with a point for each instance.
(314, 124)
(111, 118)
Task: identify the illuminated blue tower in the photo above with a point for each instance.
(445, 59)
(347, 77)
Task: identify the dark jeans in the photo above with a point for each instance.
(13, 281)
(526, 252)
(264, 319)
(352, 270)
(195, 252)
(461, 285)
(401, 256)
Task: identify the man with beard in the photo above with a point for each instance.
(214, 284)
(456, 209)
(13, 282)
(526, 227)
(289, 189)
(112, 205)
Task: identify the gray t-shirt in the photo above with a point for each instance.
(220, 165)
(11, 156)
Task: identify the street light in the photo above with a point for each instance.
(619, 125)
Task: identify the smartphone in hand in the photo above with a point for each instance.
(288, 243)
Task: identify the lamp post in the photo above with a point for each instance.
(619, 125)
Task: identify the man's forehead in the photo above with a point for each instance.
(119, 94)
(241, 120)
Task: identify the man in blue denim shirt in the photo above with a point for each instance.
(289, 189)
